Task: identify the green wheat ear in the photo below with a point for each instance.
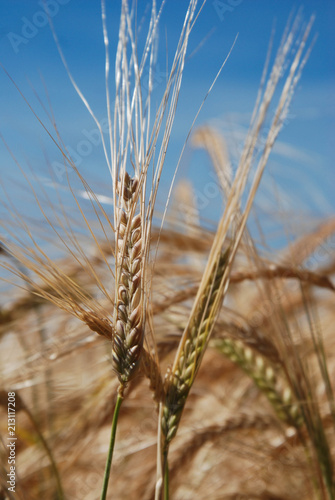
(264, 376)
(189, 357)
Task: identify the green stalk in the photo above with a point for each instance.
(111, 444)
(60, 491)
(166, 476)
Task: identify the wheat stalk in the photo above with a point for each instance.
(132, 144)
(216, 276)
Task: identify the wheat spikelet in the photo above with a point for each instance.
(128, 339)
(234, 325)
(189, 357)
(264, 376)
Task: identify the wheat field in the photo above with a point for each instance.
(151, 354)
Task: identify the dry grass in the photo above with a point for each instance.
(234, 401)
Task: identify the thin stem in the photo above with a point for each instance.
(166, 476)
(111, 443)
(159, 473)
(60, 491)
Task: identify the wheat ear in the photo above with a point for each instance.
(190, 354)
(128, 338)
(188, 358)
(262, 373)
(129, 311)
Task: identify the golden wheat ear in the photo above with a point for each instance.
(129, 328)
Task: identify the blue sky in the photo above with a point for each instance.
(302, 166)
